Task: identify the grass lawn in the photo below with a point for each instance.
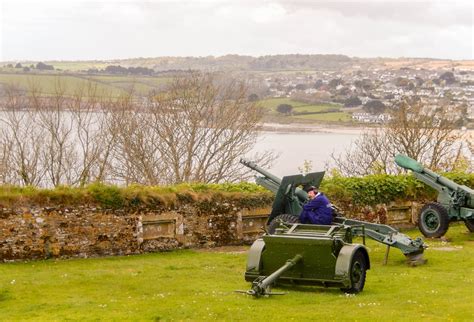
(272, 103)
(199, 285)
(314, 108)
(328, 117)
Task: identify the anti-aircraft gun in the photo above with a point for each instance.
(314, 254)
(454, 203)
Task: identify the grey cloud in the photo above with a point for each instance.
(121, 29)
(418, 12)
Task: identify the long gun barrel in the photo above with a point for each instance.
(268, 180)
(454, 201)
(254, 166)
(427, 176)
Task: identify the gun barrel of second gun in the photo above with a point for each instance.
(408, 163)
(411, 164)
(254, 166)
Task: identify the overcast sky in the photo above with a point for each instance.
(108, 29)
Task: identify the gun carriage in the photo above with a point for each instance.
(291, 252)
(454, 202)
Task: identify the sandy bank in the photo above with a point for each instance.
(321, 128)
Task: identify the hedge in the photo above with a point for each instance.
(368, 190)
(382, 188)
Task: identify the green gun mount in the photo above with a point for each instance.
(454, 202)
(307, 255)
(289, 201)
(289, 197)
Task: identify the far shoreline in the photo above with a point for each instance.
(312, 128)
(324, 128)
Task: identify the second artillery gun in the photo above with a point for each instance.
(314, 254)
(454, 203)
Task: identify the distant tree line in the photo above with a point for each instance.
(38, 66)
(239, 62)
(119, 70)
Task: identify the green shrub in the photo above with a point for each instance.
(382, 188)
(368, 190)
(108, 196)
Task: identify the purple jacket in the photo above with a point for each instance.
(317, 211)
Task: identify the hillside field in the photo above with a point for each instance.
(311, 112)
(108, 84)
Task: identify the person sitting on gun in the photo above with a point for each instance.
(318, 210)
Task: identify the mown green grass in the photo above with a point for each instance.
(272, 103)
(325, 112)
(328, 117)
(312, 108)
(196, 285)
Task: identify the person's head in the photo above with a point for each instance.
(312, 191)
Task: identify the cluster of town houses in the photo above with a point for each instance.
(452, 88)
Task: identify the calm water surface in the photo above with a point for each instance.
(294, 148)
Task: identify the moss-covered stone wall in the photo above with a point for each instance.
(39, 232)
(30, 229)
(103, 220)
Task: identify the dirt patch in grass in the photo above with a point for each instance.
(447, 248)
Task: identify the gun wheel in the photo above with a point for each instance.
(469, 224)
(358, 272)
(275, 223)
(434, 220)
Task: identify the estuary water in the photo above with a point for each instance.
(294, 148)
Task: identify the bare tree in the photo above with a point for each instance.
(194, 132)
(204, 128)
(93, 144)
(59, 157)
(21, 142)
(5, 165)
(419, 131)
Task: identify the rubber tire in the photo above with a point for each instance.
(433, 211)
(469, 224)
(358, 271)
(274, 224)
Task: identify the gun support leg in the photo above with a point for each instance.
(415, 259)
(385, 260)
(261, 285)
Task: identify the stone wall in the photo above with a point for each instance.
(81, 231)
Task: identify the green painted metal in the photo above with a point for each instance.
(304, 255)
(289, 199)
(457, 200)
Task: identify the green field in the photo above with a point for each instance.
(113, 85)
(327, 117)
(199, 285)
(323, 112)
